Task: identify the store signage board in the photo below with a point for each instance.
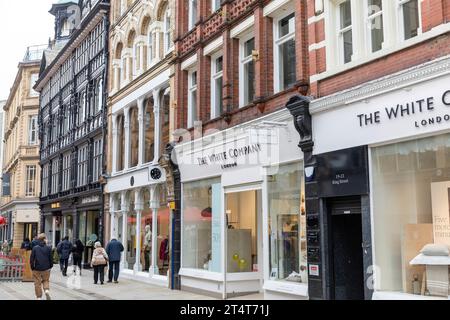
(422, 108)
(226, 152)
(314, 270)
(343, 172)
(440, 200)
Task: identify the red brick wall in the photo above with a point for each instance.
(265, 100)
(434, 13)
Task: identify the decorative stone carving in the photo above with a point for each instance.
(299, 108)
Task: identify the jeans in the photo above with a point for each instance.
(41, 279)
(64, 263)
(77, 262)
(99, 270)
(114, 269)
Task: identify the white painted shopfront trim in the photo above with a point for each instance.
(339, 111)
(243, 178)
(156, 280)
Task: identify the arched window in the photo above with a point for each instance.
(167, 31)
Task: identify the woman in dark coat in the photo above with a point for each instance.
(77, 254)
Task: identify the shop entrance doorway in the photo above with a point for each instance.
(244, 254)
(347, 252)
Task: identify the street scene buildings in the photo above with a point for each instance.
(288, 149)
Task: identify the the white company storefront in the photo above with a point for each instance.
(243, 211)
(404, 120)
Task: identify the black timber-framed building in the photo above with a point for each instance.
(72, 122)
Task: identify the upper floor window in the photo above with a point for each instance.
(82, 166)
(216, 87)
(285, 63)
(150, 47)
(45, 171)
(345, 33)
(409, 17)
(192, 14)
(99, 96)
(192, 98)
(66, 172)
(32, 130)
(167, 32)
(55, 176)
(82, 109)
(33, 78)
(215, 5)
(247, 72)
(375, 24)
(97, 161)
(123, 6)
(30, 183)
(65, 28)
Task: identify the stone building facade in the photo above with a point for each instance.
(21, 171)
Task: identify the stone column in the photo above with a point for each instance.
(64, 223)
(127, 137)
(124, 207)
(115, 134)
(138, 208)
(157, 115)
(154, 206)
(141, 112)
(112, 212)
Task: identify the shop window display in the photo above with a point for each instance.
(146, 233)
(243, 215)
(287, 224)
(201, 242)
(411, 202)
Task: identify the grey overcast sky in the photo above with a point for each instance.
(23, 23)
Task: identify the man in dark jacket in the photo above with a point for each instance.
(35, 242)
(64, 249)
(114, 251)
(41, 264)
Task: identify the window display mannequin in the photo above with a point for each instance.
(147, 247)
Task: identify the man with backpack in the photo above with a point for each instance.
(41, 264)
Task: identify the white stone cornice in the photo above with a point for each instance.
(396, 81)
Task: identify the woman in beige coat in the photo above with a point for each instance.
(99, 262)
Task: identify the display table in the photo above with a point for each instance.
(437, 275)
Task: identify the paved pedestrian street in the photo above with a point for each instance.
(83, 288)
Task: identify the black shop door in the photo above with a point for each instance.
(347, 253)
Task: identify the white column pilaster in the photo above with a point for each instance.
(115, 134)
(127, 137)
(138, 205)
(141, 152)
(157, 115)
(54, 232)
(124, 207)
(154, 205)
(112, 212)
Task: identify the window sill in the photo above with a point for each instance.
(441, 29)
(282, 286)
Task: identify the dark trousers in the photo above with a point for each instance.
(64, 263)
(99, 270)
(114, 269)
(77, 262)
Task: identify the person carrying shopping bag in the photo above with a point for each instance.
(99, 262)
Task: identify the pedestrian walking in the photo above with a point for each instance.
(41, 264)
(114, 251)
(99, 262)
(64, 250)
(77, 255)
(26, 245)
(35, 242)
(5, 247)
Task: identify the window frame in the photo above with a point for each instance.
(401, 22)
(192, 20)
(277, 43)
(192, 88)
(216, 75)
(97, 160)
(215, 6)
(167, 26)
(33, 119)
(340, 32)
(34, 77)
(30, 182)
(243, 60)
(369, 20)
(66, 170)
